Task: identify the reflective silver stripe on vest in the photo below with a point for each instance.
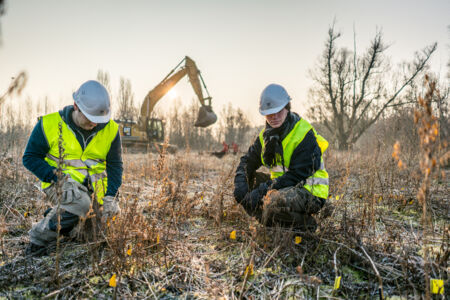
(277, 169)
(315, 180)
(92, 162)
(96, 177)
(77, 163)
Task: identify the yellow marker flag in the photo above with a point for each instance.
(437, 286)
(112, 281)
(157, 238)
(129, 251)
(233, 235)
(25, 214)
(249, 270)
(337, 283)
(298, 239)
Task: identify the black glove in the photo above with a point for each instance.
(253, 200)
(240, 190)
(240, 187)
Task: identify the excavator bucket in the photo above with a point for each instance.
(205, 117)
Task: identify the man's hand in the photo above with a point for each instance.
(110, 207)
(71, 190)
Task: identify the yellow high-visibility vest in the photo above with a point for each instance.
(79, 163)
(318, 183)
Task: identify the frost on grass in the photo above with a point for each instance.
(174, 239)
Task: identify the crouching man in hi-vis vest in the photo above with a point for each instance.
(292, 151)
(92, 162)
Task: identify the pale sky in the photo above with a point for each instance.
(240, 46)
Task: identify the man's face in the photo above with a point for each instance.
(81, 120)
(277, 119)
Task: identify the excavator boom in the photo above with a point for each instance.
(149, 131)
(206, 115)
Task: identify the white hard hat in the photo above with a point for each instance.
(93, 100)
(273, 99)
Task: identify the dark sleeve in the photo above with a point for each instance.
(249, 163)
(114, 166)
(35, 152)
(305, 161)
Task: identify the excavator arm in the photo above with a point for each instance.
(206, 115)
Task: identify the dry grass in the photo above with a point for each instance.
(173, 237)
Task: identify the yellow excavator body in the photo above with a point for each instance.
(148, 132)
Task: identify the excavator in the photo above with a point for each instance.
(148, 132)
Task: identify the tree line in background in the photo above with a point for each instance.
(355, 98)
(179, 122)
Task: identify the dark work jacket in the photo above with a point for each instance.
(37, 148)
(305, 160)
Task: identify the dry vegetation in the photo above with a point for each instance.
(386, 234)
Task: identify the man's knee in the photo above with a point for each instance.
(67, 222)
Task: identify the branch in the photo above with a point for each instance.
(329, 55)
(376, 48)
(380, 281)
(419, 66)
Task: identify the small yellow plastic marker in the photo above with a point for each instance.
(337, 283)
(249, 270)
(112, 281)
(437, 286)
(298, 239)
(129, 251)
(233, 235)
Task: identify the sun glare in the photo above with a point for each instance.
(172, 94)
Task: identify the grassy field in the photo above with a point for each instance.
(181, 235)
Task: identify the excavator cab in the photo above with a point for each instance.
(155, 130)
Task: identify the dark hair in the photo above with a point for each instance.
(288, 106)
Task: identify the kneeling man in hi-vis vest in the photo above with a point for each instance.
(92, 163)
(292, 151)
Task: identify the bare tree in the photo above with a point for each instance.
(104, 78)
(352, 91)
(127, 110)
(234, 125)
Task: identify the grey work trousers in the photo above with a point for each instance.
(75, 203)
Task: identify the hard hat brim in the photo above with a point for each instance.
(96, 119)
(271, 111)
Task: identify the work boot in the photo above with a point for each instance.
(35, 250)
